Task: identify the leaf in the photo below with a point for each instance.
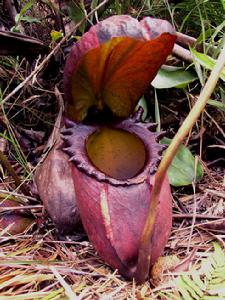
(223, 4)
(217, 104)
(30, 19)
(204, 283)
(152, 27)
(25, 8)
(114, 26)
(173, 77)
(182, 170)
(116, 74)
(206, 61)
(13, 221)
(77, 13)
(56, 35)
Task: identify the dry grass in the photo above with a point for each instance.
(35, 265)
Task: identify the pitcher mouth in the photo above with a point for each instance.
(115, 152)
(128, 159)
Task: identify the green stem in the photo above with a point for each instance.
(144, 257)
(5, 162)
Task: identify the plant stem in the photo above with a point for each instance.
(182, 53)
(144, 257)
(5, 162)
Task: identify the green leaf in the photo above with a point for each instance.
(212, 298)
(219, 255)
(210, 283)
(197, 279)
(223, 3)
(56, 35)
(29, 19)
(183, 289)
(206, 61)
(182, 170)
(94, 4)
(173, 77)
(77, 13)
(26, 7)
(17, 18)
(216, 104)
(193, 288)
